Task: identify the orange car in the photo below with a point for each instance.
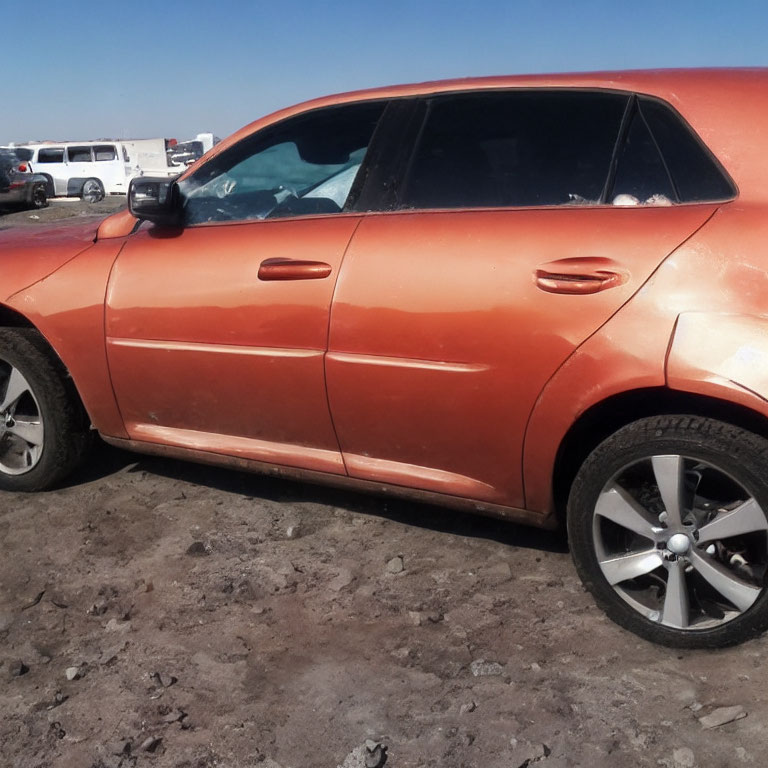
(541, 298)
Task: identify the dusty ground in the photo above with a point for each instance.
(211, 618)
(60, 209)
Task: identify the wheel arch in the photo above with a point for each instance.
(607, 416)
(50, 186)
(10, 318)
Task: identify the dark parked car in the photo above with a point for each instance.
(19, 187)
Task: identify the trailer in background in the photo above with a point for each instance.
(166, 157)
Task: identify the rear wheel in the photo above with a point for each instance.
(39, 198)
(668, 529)
(44, 434)
(92, 191)
(50, 190)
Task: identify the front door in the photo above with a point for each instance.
(216, 333)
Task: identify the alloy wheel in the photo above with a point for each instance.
(92, 192)
(681, 541)
(22, 431)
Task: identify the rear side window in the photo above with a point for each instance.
(79, 154)
(523, 148)
(641, 173)
(695, 173)
(104, 153)
(50, 156)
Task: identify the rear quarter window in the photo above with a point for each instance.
(696, 174)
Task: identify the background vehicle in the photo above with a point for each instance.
(184, 153)
(532, 297)
(18, 186)
(87, 169)
(166, 157)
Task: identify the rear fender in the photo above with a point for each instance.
(721, 355)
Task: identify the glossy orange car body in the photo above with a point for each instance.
(450, 355)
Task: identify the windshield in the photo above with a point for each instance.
(8, 159)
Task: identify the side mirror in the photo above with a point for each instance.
(156, 200)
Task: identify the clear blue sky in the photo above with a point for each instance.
(88, 69)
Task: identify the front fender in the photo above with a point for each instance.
(28, 255)
(67, 307)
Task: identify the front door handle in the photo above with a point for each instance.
(580, 276)
(293, 269)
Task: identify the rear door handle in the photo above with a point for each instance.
(293, 269)
(580, 276)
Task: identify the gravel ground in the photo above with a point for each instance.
(156, 613)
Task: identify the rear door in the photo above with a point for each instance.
(504, 253)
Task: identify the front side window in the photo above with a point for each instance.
(50, 156)
(507, 148)
(305, 165)
(79, 154)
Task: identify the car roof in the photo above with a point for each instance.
(727, 107)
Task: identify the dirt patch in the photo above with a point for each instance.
(156, 613)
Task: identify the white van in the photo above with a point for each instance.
(87, 169)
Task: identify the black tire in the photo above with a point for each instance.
(66, 430)
(50, 190)
(39, 197)
(92, 191)
(728, 453)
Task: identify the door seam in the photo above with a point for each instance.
(328, 343)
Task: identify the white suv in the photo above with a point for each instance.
(87, 169)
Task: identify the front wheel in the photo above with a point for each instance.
(44, 434)
(668, 530)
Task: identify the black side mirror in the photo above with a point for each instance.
(156, 200)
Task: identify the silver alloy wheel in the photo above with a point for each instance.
(21, 425)
(91, 192)
(681, 541)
